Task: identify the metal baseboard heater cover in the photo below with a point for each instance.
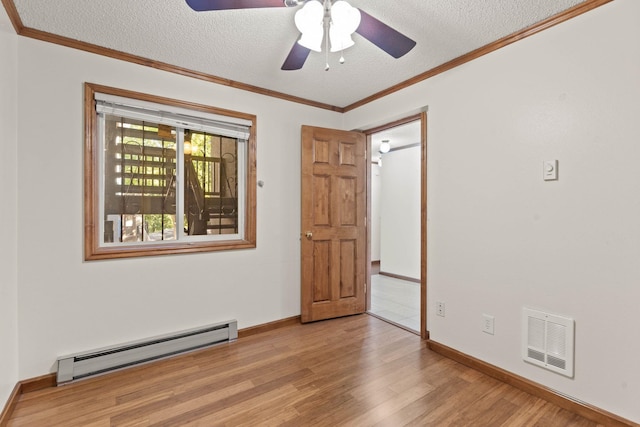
(96, 362)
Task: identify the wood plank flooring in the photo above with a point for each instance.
(353, 371)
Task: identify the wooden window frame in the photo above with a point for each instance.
(93, 250)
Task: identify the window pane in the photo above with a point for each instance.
(139, 181)
(211, 177)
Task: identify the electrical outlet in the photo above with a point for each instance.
(440, 308)
(488, 324)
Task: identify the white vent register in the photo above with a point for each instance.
(548, 341)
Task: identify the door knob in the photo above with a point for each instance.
(309, 235)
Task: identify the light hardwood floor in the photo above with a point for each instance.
(353, 371)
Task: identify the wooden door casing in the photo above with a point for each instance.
(333, 240)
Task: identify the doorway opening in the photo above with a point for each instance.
(397, 229)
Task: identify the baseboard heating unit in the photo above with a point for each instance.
(96, 362)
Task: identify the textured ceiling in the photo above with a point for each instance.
(250, 45)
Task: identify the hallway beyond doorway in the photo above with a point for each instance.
(396, 300)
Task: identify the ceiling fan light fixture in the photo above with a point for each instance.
(339, 41)
(345, 20)
(309, 21)
(311, 40)
(329, 21)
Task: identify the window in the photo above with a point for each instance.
(166, 176)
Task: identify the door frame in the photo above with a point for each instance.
(422, 117)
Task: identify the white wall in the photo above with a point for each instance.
(8, 211)
(67, 305)
(499, 237)
(400, 213)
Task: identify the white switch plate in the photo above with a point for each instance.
(550, 170)
(488, 324)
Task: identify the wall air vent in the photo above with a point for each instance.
(548, 341)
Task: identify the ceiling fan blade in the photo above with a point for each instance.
(204, 5)
(296, 58)
(386, 38)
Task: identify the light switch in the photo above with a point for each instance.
(550, 170)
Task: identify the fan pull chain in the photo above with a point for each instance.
(326, 44)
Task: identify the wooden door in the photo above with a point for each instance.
(333, 223)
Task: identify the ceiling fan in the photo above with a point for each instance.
(315, 24)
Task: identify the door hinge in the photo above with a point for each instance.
(365, 287)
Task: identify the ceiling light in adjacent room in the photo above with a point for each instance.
(385, 146)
